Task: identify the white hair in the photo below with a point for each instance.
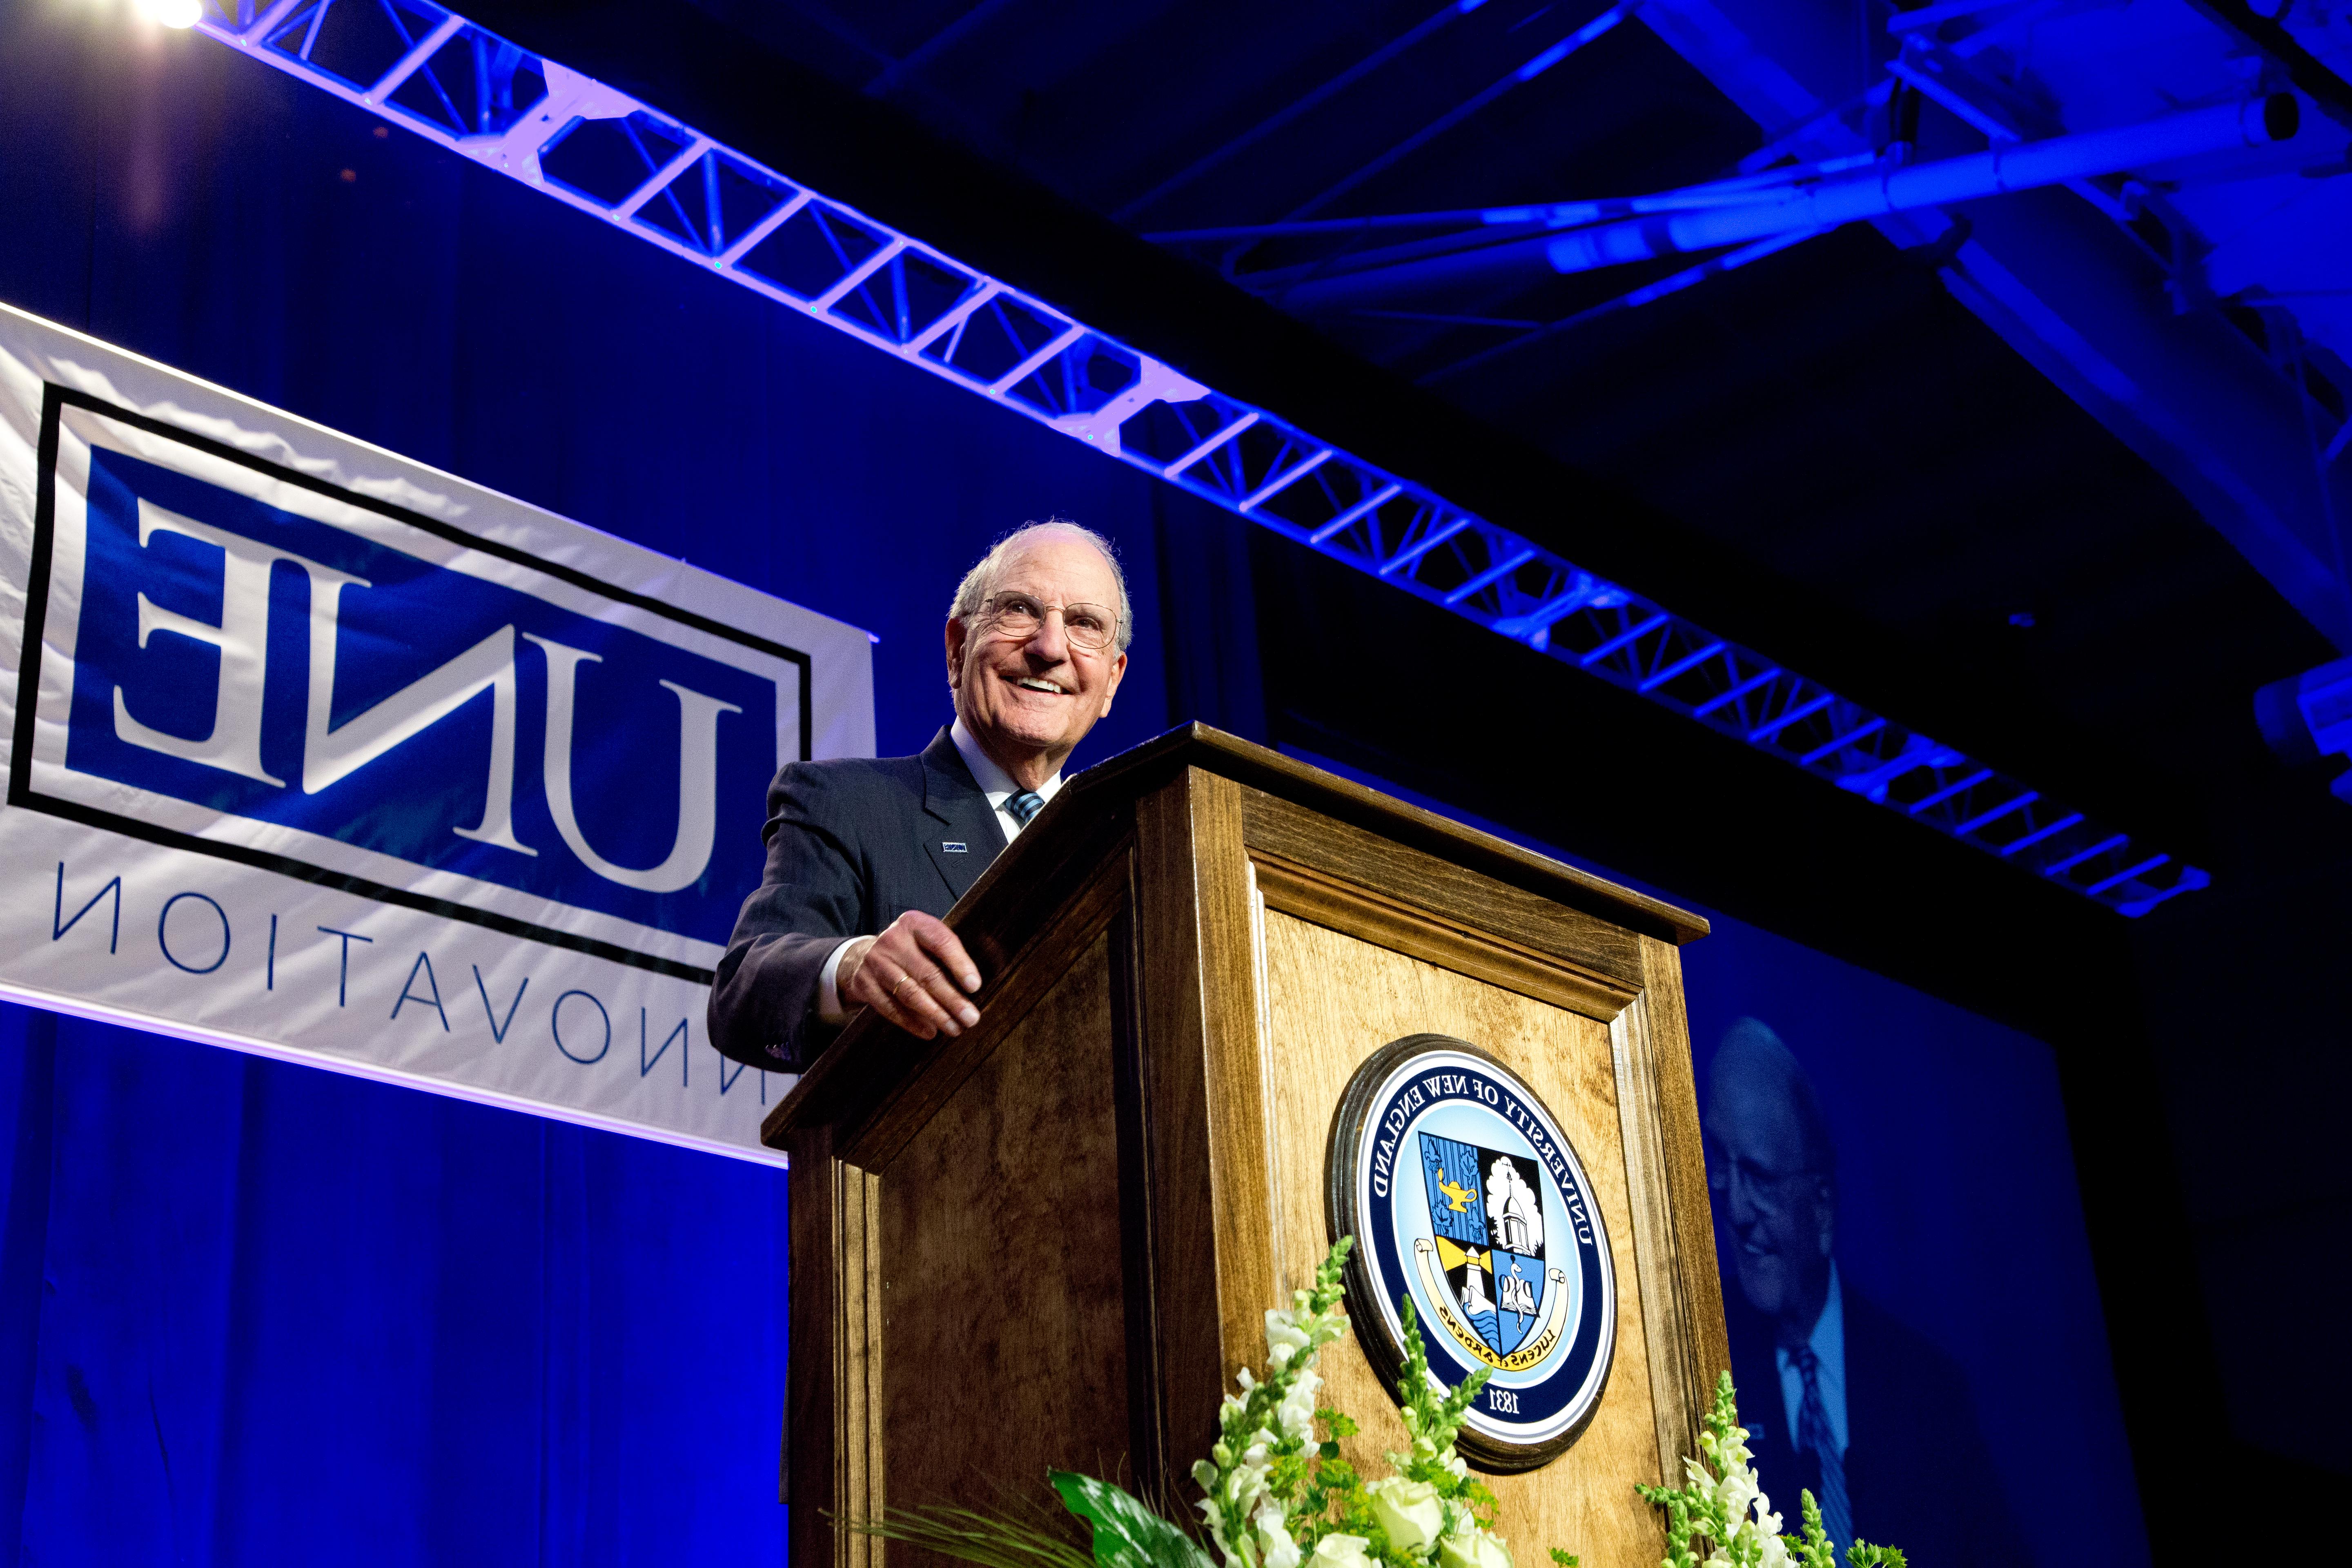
(971, 593)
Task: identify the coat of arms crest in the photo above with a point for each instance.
(1488, 1226)
(1474, 1213)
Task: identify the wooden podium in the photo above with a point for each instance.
(1052, 1242)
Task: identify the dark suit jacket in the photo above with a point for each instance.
(1918, 1474)
(853, 844)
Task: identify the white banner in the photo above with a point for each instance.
(317, 752)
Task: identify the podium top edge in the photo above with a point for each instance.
(1213, 750)
(850, 1078)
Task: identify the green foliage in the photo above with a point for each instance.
(1126, 1532)
(1332, 1498)
(1277, 1487)
(1267, 1452)
(990, 1539)
(1433, 1421)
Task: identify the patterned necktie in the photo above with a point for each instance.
(1024, 806)
(1813, 1432)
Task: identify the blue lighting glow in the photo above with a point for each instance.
(624, 161)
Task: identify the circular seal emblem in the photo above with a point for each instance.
(1466, 1200)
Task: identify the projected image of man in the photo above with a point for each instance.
(865, 854)
(1839, 1397)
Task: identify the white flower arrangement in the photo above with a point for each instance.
(1275, 1496)
(1728, 1517)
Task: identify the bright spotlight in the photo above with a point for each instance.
(173, 13)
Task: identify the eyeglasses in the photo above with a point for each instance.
(1772, 1191)
(1090, 627)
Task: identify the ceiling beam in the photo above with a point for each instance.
(2078, 300)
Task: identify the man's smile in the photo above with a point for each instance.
(1038, 683)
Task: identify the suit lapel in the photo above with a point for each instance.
(958, 813)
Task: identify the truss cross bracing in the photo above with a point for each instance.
(625, 162)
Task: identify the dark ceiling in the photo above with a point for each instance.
(1830, 416)
(1825, 455)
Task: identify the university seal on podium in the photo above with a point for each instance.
(1466, 1200)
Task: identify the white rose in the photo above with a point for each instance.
(1409, 1511)
(1340, 1552)
(1472, 1548)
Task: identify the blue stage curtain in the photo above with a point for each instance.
(259, 1313)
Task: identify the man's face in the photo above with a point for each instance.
(1781, 1215)
(1037, 695)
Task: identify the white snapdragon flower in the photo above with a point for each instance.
(1409, 1511)
(1261, 1420)
(1341, 1551)
(1274, 1536)
(1735, 1492)
(1296, 1411)
(1283, 1337)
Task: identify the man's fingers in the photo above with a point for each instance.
(908, 995)
(920, 1028)
(936, 938)
(943, 991)
(891, 1008)
(917, 974)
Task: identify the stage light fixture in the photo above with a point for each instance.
(2307, 717)
(173, 13)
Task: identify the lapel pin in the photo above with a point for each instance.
(950, 846)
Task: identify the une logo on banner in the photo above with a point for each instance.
(350, 691)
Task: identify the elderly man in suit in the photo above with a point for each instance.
(1839, 1397)
(866, 854)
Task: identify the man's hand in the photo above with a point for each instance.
(915, 973)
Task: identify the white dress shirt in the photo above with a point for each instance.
(1828, 1345)
(994, 782)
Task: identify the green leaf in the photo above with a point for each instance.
(1127, 1534)
(989, 1539)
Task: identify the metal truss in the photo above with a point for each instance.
(626, 164)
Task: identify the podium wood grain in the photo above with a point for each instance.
(1335, 999)
(1052, 1242)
